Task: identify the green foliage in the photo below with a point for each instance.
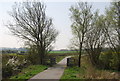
(109, 60)
(114, 61)
(81, 15)
(33, 56)
(112, 30)
(106, 59)
(6, 71)
(12, 68)
(6, 57)
(29, 72)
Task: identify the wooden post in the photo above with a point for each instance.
(52, 61)
(68, 60)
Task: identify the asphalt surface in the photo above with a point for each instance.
(52, 73)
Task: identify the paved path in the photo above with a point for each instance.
(53, 73)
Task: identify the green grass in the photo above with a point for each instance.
(75, 72)
(59, 58)
(29, 72)
(70, 73)
(87, 71)
(63, 52)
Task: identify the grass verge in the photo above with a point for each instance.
(29, 72)
(87, 71)
(59, 58)
(72, 73)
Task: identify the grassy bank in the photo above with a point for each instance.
(29, 72)
(59, 58)
(63, 52)
(21, 73)
(32, 70)
(88, 71)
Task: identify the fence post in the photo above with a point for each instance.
(52, 61)
(70, 62)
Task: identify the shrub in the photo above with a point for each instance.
(105, 58)
(109, 60)
(33, 56)
(13, 65)
(114, 61)
(75, 61)
(6, 71)
(6, 57)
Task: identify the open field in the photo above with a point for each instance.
(57, 52)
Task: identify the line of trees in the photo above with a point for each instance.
(93, 32)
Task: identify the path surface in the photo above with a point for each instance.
(51, 73)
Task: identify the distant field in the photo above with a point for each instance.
(63, 52)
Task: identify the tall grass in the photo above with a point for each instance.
(88, 71)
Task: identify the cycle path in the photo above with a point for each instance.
(52, 73)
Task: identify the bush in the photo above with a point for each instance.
(109, 60)
(33, 58)
(105, 58)
(6, 57)
(13, 64)
(6, 71)
(75, 61)
(114, 61)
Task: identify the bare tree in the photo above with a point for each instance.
(112, 28)
(113, 25)
(81, 16)
(31, 24)
(95, 39)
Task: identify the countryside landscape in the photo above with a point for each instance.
(90, 53)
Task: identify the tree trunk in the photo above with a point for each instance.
(119, 66)
(80, 51)
(40, 52)
(79, 62)
(119, 61)
(40, 56)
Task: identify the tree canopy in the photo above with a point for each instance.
(31, 24)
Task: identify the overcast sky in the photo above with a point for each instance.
(58, 11)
